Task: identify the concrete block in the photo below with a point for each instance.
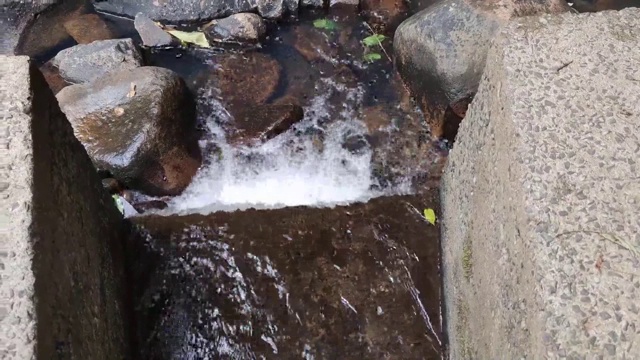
(62, 280)
(541, 195)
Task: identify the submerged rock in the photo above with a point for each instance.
(312, 43)
(354, 282)
(84, 63)
(138, 125)
(88, 28)
(244, 27)
(440, 52)
(264, 122)
(176, 10)
(384, 14)
(312, 3)
(151, 34)
(249, 78)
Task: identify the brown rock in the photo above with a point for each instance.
(264, 122)
(376, 118)
(53, 77)
(384, 15)
(88, 28)
(145, 139)
(145, 206)
(313, 44)
(249, 78)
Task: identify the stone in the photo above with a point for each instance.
(602, 5)
(177, 11)
(385, 15)
(292, 7)
(151, 34)
(542, 180)
(53, 78)
(440, 52)
(249, 78)
(238, 28)
(312, 3)
(35, 27)
(264, 122)
(333, 3)
(312, 43)
(85, 63)
(138, 124)
(64, 292)
(282, 279)
(88, 28)
(271, 9)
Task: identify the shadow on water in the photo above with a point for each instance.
(355, 282)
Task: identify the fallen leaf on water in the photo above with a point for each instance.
(373, 40)
(118, 111)
(196, 37)
(430, 215)
(371, 57)
(325, 24)
(132, 92)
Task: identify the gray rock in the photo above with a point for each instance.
(61, 249)
(312, 3)
(271, 9)
(292, 7)
(243, 27)
(549, 151)
(138, 125)
(87, 62)
(151, 34)
(344, 2)
(440, 52)
(176, 11)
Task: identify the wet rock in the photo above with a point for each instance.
(53, 78)
(344, 3)
(384, 14)
(441, 53)
(264, 122)
(151, 34)
(145, 206)
(177, 11)
(271, 9)
(87, 28)
(254, 283)
(244, 27)
(111, 185)
(34, 27)
(249, 78)
(83, 63)
(312, 3)
(312, 43)
(291, 7)
(375, 118)
(138, 125)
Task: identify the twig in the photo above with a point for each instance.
(564, 65)
(379, 43)
(609, 237)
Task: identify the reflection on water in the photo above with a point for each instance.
(355, 282)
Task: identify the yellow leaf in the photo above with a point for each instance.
(196, 37)
(430, 215)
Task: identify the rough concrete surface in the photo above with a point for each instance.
(541, 195)
(61, 277)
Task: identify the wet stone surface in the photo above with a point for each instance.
(355, 282)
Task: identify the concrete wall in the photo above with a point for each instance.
(541, 195)
(61, 255)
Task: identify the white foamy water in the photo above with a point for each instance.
(290, 170)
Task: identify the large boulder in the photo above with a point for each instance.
(138, 125)
(541, 242)
(440, 52)
(84, 63)
(355, 282)
(178, 11)
(63, 293)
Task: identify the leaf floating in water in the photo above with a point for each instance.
(196, 37)
(325, 24)
(373, 40)
(430, 215)
(371, 57)
(118, 201)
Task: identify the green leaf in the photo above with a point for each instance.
(196, 37)
(430, 215)
(118, 202)
(325, 24)
(373, 40)
(371, 57)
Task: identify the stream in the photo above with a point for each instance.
(310, 243)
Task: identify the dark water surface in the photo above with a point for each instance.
(355, 282)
